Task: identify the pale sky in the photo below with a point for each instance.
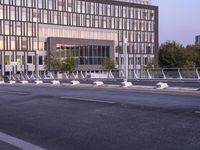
(179, 20)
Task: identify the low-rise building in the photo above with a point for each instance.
(197, 40)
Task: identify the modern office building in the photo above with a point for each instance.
(88, 30)
(197, 40)
(146, 2)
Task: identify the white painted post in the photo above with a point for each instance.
(180, 75)
(197, 71)
(126, 84)
(149, 75)
(163, 73)
(135, 74)
(98, 83)
(75, 82)
(161, 85)
(82, 76)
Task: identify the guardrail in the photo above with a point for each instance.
(166, 73)
(148, 73)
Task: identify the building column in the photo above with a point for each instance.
(2, 63)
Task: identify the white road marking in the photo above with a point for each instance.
(18, 142)
(14, 92)
(197, 112)
(88, 100)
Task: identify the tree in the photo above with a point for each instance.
(172, 54)
(53, 63)
(193, 55)
(108, 64)
(152, 64)
(190, 64)
(58, 64)
(68, 64)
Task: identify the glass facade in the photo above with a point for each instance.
(84, 55)
(82, 19)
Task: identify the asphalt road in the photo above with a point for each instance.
(77, 118)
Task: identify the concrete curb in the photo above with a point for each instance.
(118, 87)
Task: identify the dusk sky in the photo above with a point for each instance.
(179, 20)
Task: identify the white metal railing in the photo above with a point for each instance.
(147, 73)
(166, 73)
(150, 73)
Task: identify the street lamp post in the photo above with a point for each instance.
(125, 58)
(126, 83)
(37, 51)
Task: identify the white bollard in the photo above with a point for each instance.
(12, 82)
(98, 83)
(161, 85)
(126, 84)
(2, 82)
(24, 82)
(38, 82)
(55, 82)
(74, 82)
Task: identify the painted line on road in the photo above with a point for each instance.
(88, 100)
(14, 92)
(197, 112)
(18, 142)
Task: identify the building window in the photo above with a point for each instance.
(1, 12)
(19, 60)
(18, 2)
(60, 5)
(50, 4)
(90, 55)
(70, 6)
(40, 60)
(24, 14)
(6, 1)
(24, 43)
(30, 59)
(7, 59)
(29, 3)
(1, 44)
(7, 30)
(39, 3)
